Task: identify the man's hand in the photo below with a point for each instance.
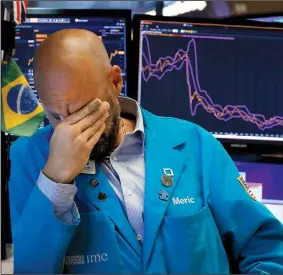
(72, 141)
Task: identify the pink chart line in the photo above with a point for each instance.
(181, 58)
(201, 36)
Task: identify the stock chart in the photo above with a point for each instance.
(227, 80)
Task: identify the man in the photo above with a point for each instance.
(111, 188)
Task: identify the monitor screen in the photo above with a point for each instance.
(266, 182)
(112, 31)
(227, 79)
(270, 19)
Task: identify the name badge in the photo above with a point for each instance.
(90, 168)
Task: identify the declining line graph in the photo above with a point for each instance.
(199, 97)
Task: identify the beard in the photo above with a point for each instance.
(106, 144)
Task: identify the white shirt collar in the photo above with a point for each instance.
(131, 107)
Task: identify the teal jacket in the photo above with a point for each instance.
(208, 223)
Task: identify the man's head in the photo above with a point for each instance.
(71, 68)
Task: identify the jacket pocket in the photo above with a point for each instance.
(94, 248)
(193, 244)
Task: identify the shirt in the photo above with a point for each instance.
(124, 169)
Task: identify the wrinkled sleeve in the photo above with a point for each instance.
(62, 198)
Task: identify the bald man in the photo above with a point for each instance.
(111, 188)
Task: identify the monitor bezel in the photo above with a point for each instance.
(102, 13)
(247, 145)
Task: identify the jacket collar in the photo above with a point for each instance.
(163, 129)
(163, 149)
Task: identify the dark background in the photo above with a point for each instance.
(246, 71)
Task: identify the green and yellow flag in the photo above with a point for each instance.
(22, 112)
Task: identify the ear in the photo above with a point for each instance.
(116, 79)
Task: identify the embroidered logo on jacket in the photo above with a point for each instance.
(246, 187)
(183, 200)
(86, 259)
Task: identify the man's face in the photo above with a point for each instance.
(58, 106)
(106, 143)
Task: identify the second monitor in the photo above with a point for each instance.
(113, 27)
(228, 79)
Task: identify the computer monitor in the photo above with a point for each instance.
(112, 26)
(266, 182)
(226, 78)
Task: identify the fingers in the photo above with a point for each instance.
(89, 132)
(94, 139)
(84, 112)
(91, 119)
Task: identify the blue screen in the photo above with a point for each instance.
(271, 19)
(227, 79)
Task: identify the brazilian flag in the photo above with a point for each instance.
(22, 112)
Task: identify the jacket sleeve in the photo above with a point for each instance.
(40, 239)
(255, 235)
